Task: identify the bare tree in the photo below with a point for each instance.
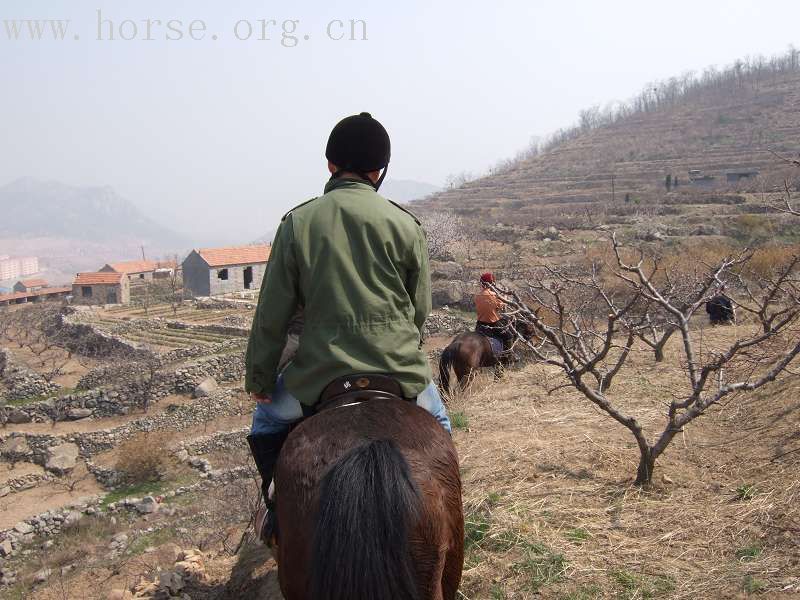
(459, 179)
(40, 331)
(592, 348)
(443, 229)
(787, 203)
(175, 287)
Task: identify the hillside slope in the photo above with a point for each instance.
(726, 122)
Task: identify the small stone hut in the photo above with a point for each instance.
(218, 271)
(101, 288)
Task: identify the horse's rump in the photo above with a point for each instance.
(468, 351)
(403, 460)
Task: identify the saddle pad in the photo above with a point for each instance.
(497, 346)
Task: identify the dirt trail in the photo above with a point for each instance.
(48, 496)
(20, 469)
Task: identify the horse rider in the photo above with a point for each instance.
(720, 309)
(490, 322)
(357, 265)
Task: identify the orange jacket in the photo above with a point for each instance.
(486, 305)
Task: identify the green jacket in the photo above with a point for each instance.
(358, 265)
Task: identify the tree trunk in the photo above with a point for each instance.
(659, 352)
(647, 462)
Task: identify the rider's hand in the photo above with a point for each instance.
(261, 399)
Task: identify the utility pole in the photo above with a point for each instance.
(143, 257)
(613, 190)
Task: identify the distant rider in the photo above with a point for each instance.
(357, 264)
(490, 322)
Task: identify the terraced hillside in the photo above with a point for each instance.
(144, 446)
(724, 122)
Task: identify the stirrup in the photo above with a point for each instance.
(266, 525)
(266, 522)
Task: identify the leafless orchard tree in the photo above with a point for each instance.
(456, 180)
(174, 287)
(40, 331)
(588, 324)
(443, 230)
(787, 204)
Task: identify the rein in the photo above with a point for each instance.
(348, 404)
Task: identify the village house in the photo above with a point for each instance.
(217, 271)
(101, 288)
(141, 271)
(30, 285)
(43, 294)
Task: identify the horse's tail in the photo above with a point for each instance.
(444, 366)
(367, 504)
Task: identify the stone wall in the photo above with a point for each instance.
(444, 322)
(86, 339)
(222, 440)
(129, 395)
(20, 382)
(17, 446)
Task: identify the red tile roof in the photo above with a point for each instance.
(134, 266)
(236, 255)
(29, 283)
(97, 279)
(43, 292)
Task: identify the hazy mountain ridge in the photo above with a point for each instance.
(407, 190)
(38, 208)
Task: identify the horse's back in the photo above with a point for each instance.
(324, 440)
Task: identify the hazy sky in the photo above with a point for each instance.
(223, 136)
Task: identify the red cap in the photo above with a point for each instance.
(487, 278)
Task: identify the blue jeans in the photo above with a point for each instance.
(285, 409)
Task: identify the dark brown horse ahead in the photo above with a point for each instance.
(470, 351)
(369, 506)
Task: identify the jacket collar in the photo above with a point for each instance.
(341, 182)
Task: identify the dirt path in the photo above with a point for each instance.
(48, 496)
(20, 469)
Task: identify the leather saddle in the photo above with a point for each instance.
(359, 388)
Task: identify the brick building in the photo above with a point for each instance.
(217, 271)
(101, 288)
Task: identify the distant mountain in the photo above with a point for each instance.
(406, 190)
(75, 229)
(37, 208)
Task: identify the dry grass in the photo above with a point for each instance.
(551, 511)
(146, 457)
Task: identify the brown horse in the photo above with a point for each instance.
(470, 351)
(369, 505)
